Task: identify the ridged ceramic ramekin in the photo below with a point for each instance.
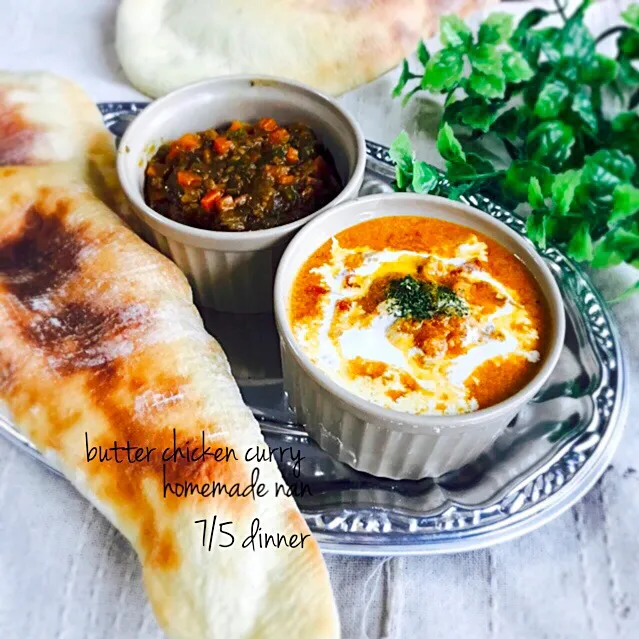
(378, 440)
(234, 271)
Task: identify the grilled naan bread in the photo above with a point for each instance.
(98, 335)
(46, 119)
(333, 45)
(100, 342)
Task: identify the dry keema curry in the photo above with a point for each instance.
(420, 315)
(242, 178)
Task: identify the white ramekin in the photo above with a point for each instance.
(378, 440)
(234, 271)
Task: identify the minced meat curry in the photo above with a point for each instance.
(241, 178)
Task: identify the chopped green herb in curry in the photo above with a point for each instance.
(421, 300)
(241, 178)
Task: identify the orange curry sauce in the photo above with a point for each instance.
(430, 341)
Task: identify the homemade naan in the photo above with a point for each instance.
(100, 342)
(333, 45)
(98, 335)
(46, 119)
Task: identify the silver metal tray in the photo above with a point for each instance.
(549, 457)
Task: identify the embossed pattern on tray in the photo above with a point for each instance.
(548, 458)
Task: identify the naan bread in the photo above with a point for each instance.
(98, 335)
(333, 45)
(47, 119)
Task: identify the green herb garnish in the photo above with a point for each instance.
(540, 91)
(421, 300)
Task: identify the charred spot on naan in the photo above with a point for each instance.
(17, 135)
(41, 255)
(79, 336)
(35, 264)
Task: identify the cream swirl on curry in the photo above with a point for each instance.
(420, 315)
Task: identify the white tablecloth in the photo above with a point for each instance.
(65, 573)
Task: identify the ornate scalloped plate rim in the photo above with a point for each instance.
(356, 531)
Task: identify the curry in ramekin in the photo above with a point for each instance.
(242, 177)
(420, 315)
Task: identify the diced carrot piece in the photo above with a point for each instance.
(222, 145)
(279, 136)
(286, 179)
(188, 179)
(225, 203)
(150, 170)
(173, 152)
(189, 142)
(236, 125)
(292, 155)
(267, 124)
(209, 200)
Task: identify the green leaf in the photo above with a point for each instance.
(628, 44)
(607, 168)
(602, 70)
(525, 40)
(575, 40)
(454, 32)
(552, 100)
(631, 15)
(625, 202)
(496, 29)
(401, 152)
(535, 195)
(488, 86)
(404, 77)
(602, 172)
(476, 113)
(479, 163)
(510, 123)
(444, 70)
(486, 59)
(606, 254)
(422, 53)
(625, 133)
(448, 145)
(518, 177)
(530, 20)
(549, 42)
(580, 246)
(410, 94)
(537, 228)
(583, 108)
(460, 171)
(425, 178)
(563, 190)
(551, 143)
(456, 192)
(627, 74)
(473, 167)
(515, 67)
(625, 241)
